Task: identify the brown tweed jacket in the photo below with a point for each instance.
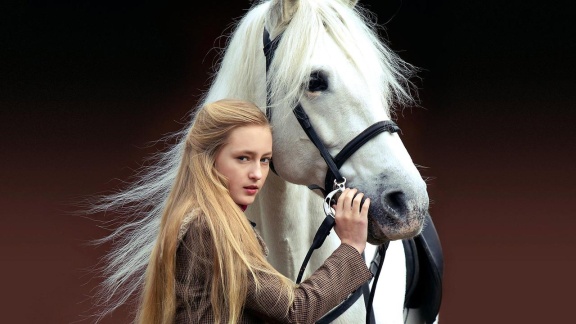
(341, 274)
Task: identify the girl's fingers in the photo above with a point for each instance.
(356, 202)
(349, 197)
(350, 201)
(366, 206)
(340, 203)
(351, 218)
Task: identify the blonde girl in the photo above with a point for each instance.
(208, 264)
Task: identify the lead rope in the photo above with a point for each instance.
(324, 229)
(375, 267)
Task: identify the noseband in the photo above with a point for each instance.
(334, 164)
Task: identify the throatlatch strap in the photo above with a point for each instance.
(269, 50)
(270, 47)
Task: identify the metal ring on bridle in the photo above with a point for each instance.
(331, 200)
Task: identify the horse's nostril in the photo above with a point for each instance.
(396, 200)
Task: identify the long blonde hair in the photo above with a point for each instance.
(237, 252)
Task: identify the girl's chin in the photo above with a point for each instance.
(244, 201)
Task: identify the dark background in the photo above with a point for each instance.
(86, 85)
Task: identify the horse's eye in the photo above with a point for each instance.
(318, 82)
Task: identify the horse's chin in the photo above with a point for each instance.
(384, 227)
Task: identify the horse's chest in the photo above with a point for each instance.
(389, 299)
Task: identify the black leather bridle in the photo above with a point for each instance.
(334, 163)
(333, 180)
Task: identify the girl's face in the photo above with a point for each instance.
(245, 161)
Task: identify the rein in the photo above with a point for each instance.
(333, 184)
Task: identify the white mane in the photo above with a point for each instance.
(241, 76)
(352, 32)
(240, 73)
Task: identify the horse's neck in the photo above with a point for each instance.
(287, 216)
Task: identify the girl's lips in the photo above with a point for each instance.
(251, 190)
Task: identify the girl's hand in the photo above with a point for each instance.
(351, 221)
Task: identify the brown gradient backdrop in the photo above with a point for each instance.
(86, 86)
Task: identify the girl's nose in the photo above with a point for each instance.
(256, 172)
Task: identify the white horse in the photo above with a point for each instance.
(331, 61)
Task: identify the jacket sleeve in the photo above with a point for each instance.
(342, 273)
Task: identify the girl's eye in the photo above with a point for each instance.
(266, 160)
(243, 158)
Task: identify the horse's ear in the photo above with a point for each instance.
(351, 3)
(280, 14)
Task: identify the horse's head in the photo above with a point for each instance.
(332, 63)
